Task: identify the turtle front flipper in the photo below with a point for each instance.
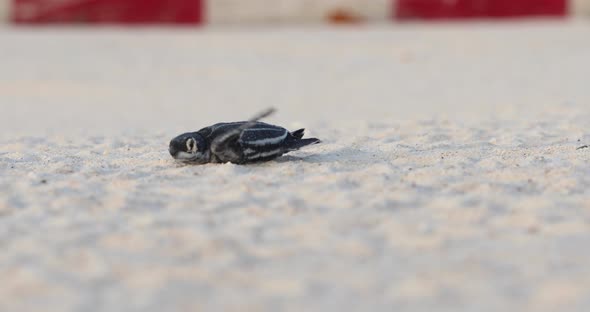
(225, 147)
(228, 151)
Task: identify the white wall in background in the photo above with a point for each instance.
(261, 11)
(580, 7)
(5, 10)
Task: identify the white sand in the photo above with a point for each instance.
(448, 179)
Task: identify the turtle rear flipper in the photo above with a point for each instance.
(298, 133)
(303, 142)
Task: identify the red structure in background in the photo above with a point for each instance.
(108, 11)
(192, 11)
(457, 9)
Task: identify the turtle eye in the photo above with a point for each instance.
(191, 145)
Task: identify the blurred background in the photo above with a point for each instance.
(135, 64)
(285, 11)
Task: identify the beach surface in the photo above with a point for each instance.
(453, 173)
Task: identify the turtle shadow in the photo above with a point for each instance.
(345, 154)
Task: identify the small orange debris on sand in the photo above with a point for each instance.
(344, 16)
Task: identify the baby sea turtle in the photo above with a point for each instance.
(238, 142)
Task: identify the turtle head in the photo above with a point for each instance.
(190, 147)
